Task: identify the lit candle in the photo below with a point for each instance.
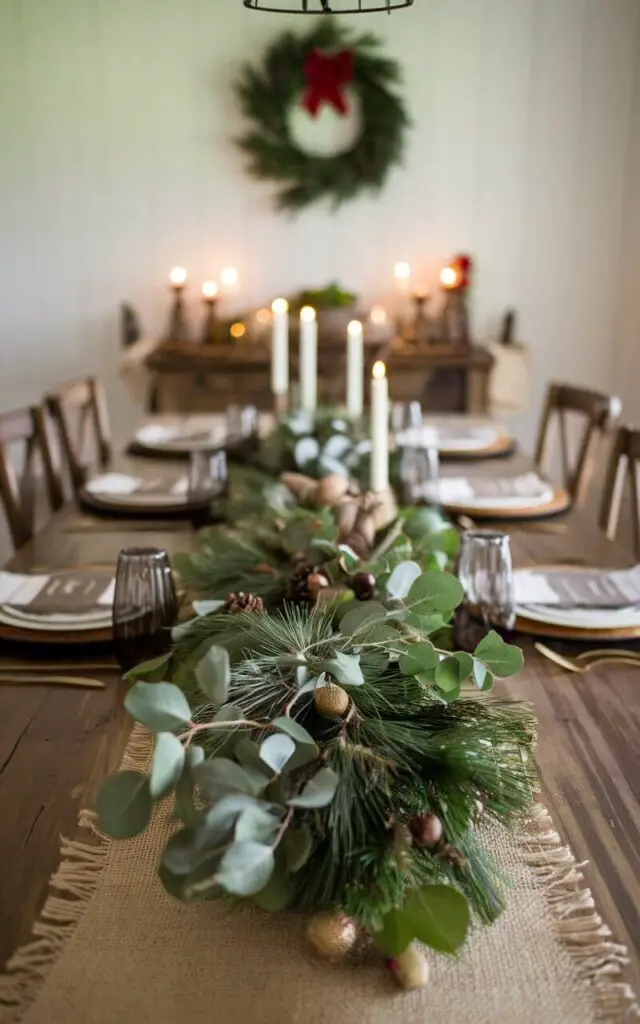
(378, 315)
(355, 369)
(209, 290)
(280, 348)
(379, 428)
(449, 278)
(402, 273)
(229, 278)
(178, 277)
(308, 359)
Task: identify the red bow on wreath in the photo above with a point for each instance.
(326, 75)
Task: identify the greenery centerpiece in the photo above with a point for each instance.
(325, 748)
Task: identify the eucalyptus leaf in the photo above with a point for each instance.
(426, 624)
(337, 446)
(423, 521)
(162, 707)
(124, 805)
(247, 752)
(245, 868)
(221, 818)
(277, 893)
(229, 713)
(195, 886)
(435, 592)
(306, 450)
(501, 658)
(213, 674)
(166, 765)
(402, 579)
(481, 675)
(148, 668)
(219, 774)
(420, 657)
(330, 465)
(319, 791)
(258, 824)
(451, 672)
(202, 608)
(345, 669)
(185, 809)
(298, 845)
(395, 935)
(276, 751)
(349, 557)
(293, 728)
(185, 851)
(364, 614)
(438, 915)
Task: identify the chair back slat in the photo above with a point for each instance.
(598, 413)
(19, 487)
(623, 469)
(79, 411)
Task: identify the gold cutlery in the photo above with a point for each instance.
(58, 666)
(588, 659)
(47, 680)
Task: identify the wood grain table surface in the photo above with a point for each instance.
(56, 745)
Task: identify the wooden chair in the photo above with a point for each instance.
(598, 413)
(19, 488)
(624, 463)
(79, 410)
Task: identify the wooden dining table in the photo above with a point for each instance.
(58, 744)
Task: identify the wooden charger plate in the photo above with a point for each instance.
(559, 503)
(55, 638)
(502, 447)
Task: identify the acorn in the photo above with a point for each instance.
(316, 581)
(331, 701)
(411, 969)
(363, 585)
(330, 490)
(426, 829)
(332, 936)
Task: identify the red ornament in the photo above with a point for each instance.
(463, 265)
(326, 76)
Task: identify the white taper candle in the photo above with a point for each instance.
(355, 369)
(379, 428)
(308, 359)
(280, 348)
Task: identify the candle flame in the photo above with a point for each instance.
(237, 330)
(178, 277)
(280, 306)
(263, 316)
(449, 277)
(378, 315)
(402, 271)
(379, 370)
(354, 329)
(229, 277)
(307, 314)
(210, 289)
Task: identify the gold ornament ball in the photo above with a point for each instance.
(331, 701)
(332, 936)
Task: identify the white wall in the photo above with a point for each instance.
(116, 163)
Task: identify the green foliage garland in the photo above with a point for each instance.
(289, 805)
(267, 94)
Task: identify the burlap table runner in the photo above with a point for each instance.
(113, 947)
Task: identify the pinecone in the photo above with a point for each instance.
(242, 603)
(297, 591)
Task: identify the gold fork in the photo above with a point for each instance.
(589, 659)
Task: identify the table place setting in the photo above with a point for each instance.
(57, 602)
(523, 495)
(579, 603)
(455, 436)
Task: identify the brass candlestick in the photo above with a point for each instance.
(178, 324)
(210, 318)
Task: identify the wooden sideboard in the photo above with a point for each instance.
(189, 377)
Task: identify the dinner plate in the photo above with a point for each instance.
(101, 614)
(558, 503)
(179, 437)
(54, 623)
(581, 618)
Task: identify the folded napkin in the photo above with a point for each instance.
(122, 485)
(592, 588)
(503, 492)
(63, 592)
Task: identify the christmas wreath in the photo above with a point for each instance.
(315, 69)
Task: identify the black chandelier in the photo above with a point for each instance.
(327, 6)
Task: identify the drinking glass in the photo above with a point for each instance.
(234, 422)
(486, 573)
(145, 605)
(405, 416)
(419, 470)
(207, 474)
(248, 421)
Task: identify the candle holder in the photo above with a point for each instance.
(210, 300)
(455, 319)
(422, 327)
(178, 324)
